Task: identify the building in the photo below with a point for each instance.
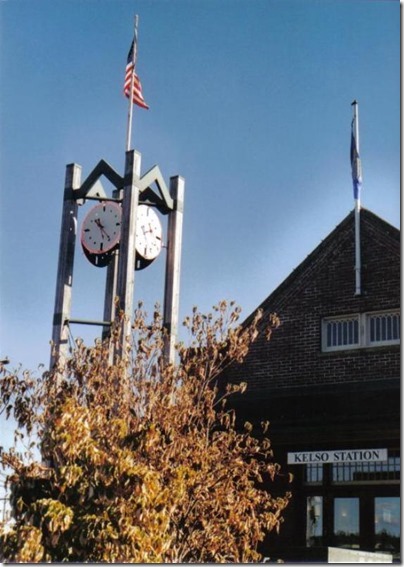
(329, 383)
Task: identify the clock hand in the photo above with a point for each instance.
(103, 231)
(153, 232)
(98, 223)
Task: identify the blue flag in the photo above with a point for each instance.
(355, 165)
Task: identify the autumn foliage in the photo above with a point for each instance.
(140, 461)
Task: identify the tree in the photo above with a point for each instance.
(141, 460)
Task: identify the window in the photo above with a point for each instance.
(342, 333)
(314, 521)
(384, 328)
(346, 522)
(351, 502)
(387, 524)
(367, 472)
(314, 473)
(360, 330)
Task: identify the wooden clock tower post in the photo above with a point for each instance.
(122, 233)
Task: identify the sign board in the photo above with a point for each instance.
(338, 456)
(339, 555)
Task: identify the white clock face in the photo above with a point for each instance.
(101, 228)
(148, 233)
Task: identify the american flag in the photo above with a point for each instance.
(137, 87)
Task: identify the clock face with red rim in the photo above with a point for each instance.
(101, 229)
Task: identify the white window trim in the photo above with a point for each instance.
(345, 317)
(370, 343)
(364, 331)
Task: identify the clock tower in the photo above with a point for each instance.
(123, 234)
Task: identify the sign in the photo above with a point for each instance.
(338, 456)
(339, 555)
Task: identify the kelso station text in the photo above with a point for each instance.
(338, 456)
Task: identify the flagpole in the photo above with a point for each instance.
(130, 108)
(358, 267)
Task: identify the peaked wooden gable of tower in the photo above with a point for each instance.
(329, 378)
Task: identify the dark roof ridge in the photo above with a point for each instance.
(385, 229)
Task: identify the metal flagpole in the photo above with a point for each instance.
(130, 110)
(357, 181)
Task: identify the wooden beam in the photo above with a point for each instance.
(64, 282)
(173, 267)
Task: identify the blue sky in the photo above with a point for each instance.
(250, 101)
